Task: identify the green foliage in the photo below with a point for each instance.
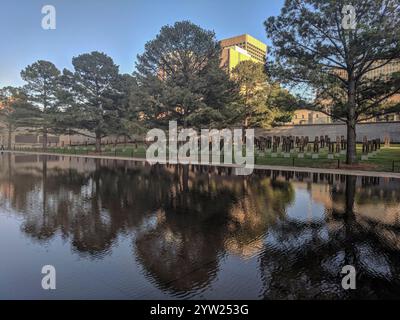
(42, 80)
(313, 51)
(15, 111)
(129, 123)
(312, 48)
(41, 90)
(179, 78)
(263, 104)
(92, 93)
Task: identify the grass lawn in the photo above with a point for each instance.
(381, 161)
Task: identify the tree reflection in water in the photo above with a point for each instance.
(183, 221)
(304, 259)
(204, 218)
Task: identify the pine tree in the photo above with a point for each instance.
(262, 104)
(42, 89)
(15, 111)
(91, 93)
(179, 78)
(322, 47)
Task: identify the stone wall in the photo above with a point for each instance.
(372, 130)
(26, 137)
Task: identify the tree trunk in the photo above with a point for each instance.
(44, 186)
(350, 255)
(44, 138)
(9, 137)
(351, 156)
(245, 127)
(98, 143)
(350, 194)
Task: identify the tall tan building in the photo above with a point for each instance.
(242, 48)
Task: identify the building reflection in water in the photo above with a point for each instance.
(183, 221)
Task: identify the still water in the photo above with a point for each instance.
(126, 230)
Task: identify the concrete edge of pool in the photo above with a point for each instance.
(256, 167)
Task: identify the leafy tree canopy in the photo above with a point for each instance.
(263, 104)
(15, 111)
(42, 89)
(179, 78)
(315, 48)
(91, 93)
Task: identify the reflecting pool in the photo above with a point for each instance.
(127, 230)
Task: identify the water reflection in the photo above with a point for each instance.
(184, 223)
(204, 218)
(303, 258)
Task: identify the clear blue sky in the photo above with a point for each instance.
(119, 28)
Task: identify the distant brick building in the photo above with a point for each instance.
(303, 117)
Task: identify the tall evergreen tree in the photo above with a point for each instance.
(41, 89)
(179, 78)
(261, 100)
(129, 123)
(323, 46)
(15, 111)
(91, 91)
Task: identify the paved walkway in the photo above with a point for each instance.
(257, 167)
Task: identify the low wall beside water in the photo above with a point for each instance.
(371, 130)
